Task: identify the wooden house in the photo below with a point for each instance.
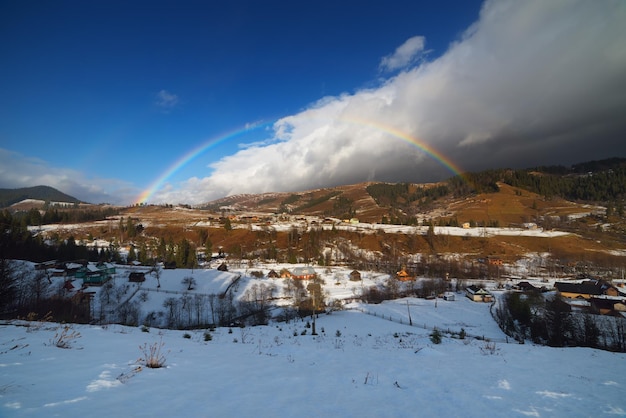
(493, 261)
(607, 306)
(403, 276)
(448, 296)
(303, 273)
(223, 267)
(478, 294)
(527, 287)
(285, 274)
(586, 289)
(272, 274)
(355, 276)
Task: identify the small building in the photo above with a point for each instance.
(527, 287)
(448, 296)
(403, 276)
(355, 276)
(285, 274)
(493, 261)
(478, 294)
(304, 273)
(272, 274)
(94, 275)
(223, 267)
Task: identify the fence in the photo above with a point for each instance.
(447, 331)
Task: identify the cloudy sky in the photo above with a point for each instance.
(189, 101)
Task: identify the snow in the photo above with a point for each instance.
(366, 361)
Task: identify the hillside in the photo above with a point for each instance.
(10, 197)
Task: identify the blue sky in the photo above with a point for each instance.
(100, 98)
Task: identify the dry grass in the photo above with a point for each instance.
(508, 207)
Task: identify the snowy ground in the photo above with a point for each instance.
(358, 365)
(366, 361)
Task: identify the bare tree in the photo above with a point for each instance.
(156, 272)
(190, 282)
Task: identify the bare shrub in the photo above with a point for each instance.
(489, 348)
(65, 337)
(153, 356)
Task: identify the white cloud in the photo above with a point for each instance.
(406, 54)
(166, 100)
(18, 171)
(530, 83)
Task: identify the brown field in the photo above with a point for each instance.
(587, 243)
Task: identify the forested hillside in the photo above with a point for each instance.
(45, 193)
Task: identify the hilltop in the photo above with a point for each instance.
(34, 197)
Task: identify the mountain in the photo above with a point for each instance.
(597, 182)
(9, 197)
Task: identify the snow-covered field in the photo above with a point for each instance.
(360, 364)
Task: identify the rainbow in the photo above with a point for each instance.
(396, 133)
(422, 146)
(182, 161)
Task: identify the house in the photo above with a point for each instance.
(303, 273)
(527, 287)
(137, 277)
(448, 296)
(285, 274)
(272, 274)
(478, 294)
(607, 306)
(108, 268)
(586, 289)
(355, 276)
(95, 275)
(492, 261)
(223, 267)
(403, 276)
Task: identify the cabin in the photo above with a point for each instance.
(303, 273)
(448, 296)
(285, 274)
(493, 261)
(403, 276)
(478, 294)
(527, 287)
(355, 276)
(586, 289)
(607, 306)
(272, 274)
(223, 267)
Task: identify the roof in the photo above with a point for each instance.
(475, 290)
(303, 271)
(585, 288)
